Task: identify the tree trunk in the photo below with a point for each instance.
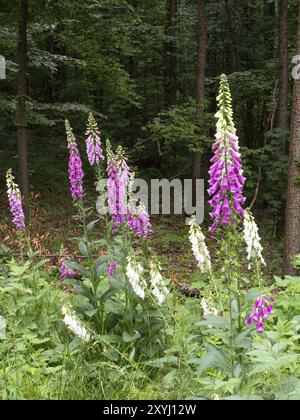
(171, 82)
(292, 220)
(21, 103)
(269, 29)
(234, 27)
(201, 42)
(283, 66)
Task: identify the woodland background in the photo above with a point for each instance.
(149, 71)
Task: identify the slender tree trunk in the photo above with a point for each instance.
(202, 45)
(283, 66)
(21, 103)
(269, 28)
(234, 27)
(171, 82)
(292, 220)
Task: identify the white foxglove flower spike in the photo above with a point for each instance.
(159, 289)
(134, 272)
(74, 324)
(252, 238)
(199, 247)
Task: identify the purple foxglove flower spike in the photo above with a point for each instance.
(138, 219)
(75, 165)
(65, 271)
(112, 268)
(15, 201)
(93, 142)
(226, 173)
(118, 180)
(262, 310)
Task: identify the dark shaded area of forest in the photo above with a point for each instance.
(149, 71)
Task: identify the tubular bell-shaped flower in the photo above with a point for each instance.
(74, 324)
(112, 268)
(118, 181)
(199, 247)
(134, 272)
(226, 173)
(93, 142)
(159, 289)
(252, 238)
(262, 310)
(15, 201)
(138, 218)
(65, 271)
(75, 165)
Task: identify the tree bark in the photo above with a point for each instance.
(21, 103)
(292, 219)
(200, 91)
(283, 66)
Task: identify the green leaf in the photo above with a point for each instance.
(77, 267)
(214, 358)
(92, 224)
(127, 337)
(83, 249)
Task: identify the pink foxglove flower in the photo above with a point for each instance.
(75, 165)
(93, 142)
(262, 310)
(15, 201)
(117, 184)
(65, 271)
(226, 173)
(138, 220)
(112, 268)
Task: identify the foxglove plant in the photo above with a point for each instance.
(226, 173)
(262, 310)
(75, 165)
(93, 142)
(15, 201)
